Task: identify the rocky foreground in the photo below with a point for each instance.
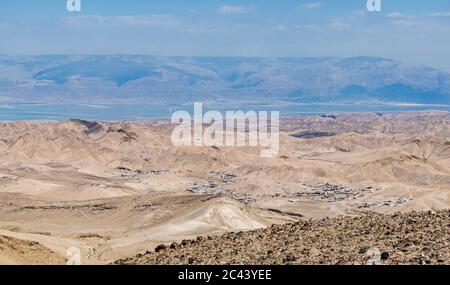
(408, 238)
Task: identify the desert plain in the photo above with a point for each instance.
(119, 190)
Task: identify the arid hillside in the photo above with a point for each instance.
(115, 189)
(15, 252)
(411, 238)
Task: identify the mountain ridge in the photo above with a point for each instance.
(154, 79)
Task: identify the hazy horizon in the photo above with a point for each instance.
(408, 31)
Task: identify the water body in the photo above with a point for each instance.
(19, 112)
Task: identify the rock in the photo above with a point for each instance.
(373, 256)
(160, 247)
(341, 262)
(314, 252)
(363, 249)
(384, 255)
(289, 258)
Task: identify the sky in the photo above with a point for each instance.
(414, 31)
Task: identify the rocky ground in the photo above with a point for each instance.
(401, 238)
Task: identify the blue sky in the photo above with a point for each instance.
(414, 31)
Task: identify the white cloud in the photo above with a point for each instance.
(405, 20)
(308, 27)
(359, 13)
(281, 27)
(310, 5)
(158, 21)
(229, 9)
(84, 20)
(397, 15)
(149, 21)
(193, 11)
(340, 24)
(405, 23)
(440, 14)
(394, 15)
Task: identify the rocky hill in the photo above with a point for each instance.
(408, 238)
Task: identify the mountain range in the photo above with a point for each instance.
(172, 80)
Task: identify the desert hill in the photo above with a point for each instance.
(411, 238)
(115, 189)
(16, 251)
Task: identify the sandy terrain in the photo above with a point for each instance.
(118, 189)
(15, 252)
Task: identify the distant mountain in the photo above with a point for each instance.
(147, 79)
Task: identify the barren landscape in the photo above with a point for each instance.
(371, 239)
(117, 190)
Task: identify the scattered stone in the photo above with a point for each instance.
(160, 247)
(373, 256)
(363, 249)
(185, 242)
(289, 258)
(314, 252)
(416, 238)
(384, 255)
